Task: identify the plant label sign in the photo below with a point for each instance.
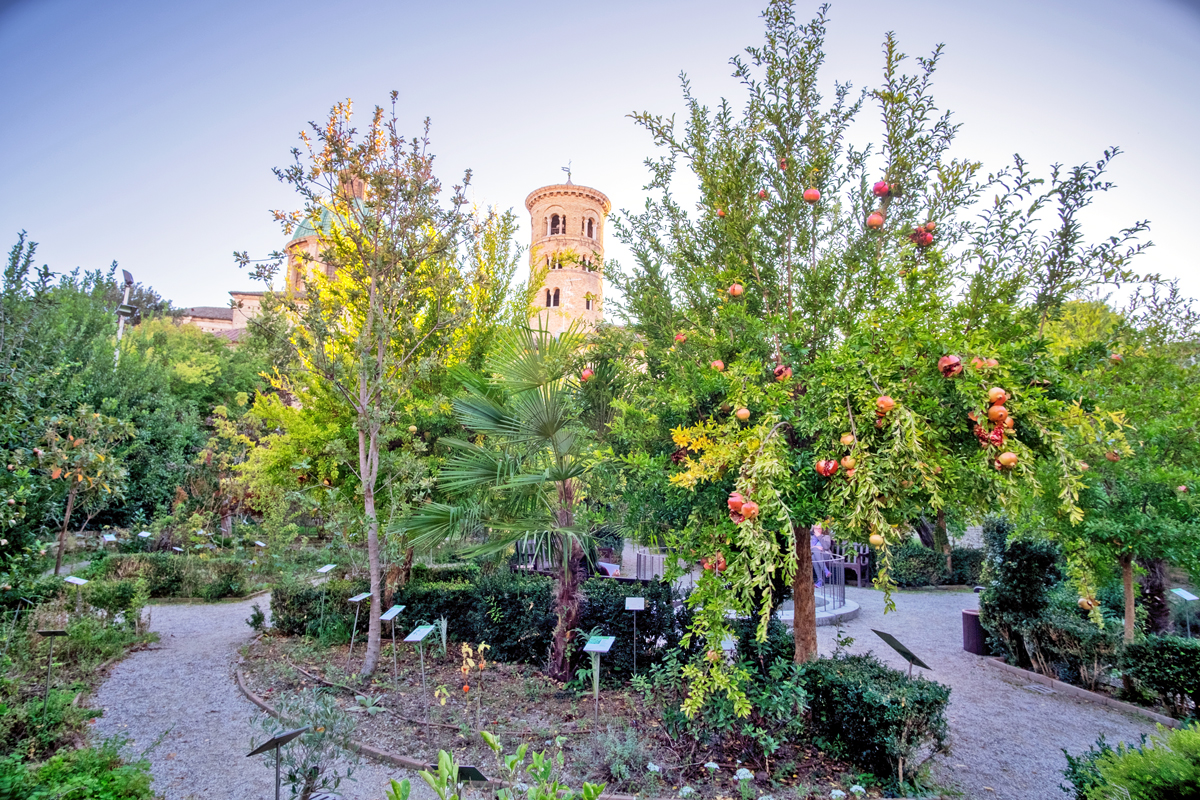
(177, 549)
(391, 613)
(635, 604)
(358, 598)
(1185, 595)
(326, 568)
(145, 535)
(599, 644)
(76, 581)
(261, 544)
(419, 634)
(108, 537)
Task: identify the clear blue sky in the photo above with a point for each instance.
(146, 132)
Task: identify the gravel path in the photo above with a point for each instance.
(1006, 740)
(185, 685)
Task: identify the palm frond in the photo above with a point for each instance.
(435, 523)
(527, 358)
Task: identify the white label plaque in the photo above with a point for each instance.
(358, 598)
(108, 537)
(1185, 594)
(635, 604)
(419, 634)
(326, 568)
(391, 613)
(74, 580)
(599, 644)
(145, 535)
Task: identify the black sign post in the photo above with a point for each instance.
(389, 617)
(597, 646)
(357, 600)
(418, 637)
(51, 635)
(635, 604)
(274, 743)
(16, 618)
(904, 652)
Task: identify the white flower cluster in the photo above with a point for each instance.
(743, 774)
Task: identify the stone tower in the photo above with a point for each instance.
(568, 241)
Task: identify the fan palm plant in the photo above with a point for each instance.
(518, 474)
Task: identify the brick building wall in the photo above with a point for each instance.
(567, 223)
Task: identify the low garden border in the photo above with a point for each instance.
(1082, 694)
(404, 762)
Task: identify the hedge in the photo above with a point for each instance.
(873, 715)
(513, 613)
(1169, 667)
(914, 564)
(173, 575)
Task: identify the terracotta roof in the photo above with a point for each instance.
(210, 312)
(232, 335)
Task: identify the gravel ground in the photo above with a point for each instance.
(184, 686)
(1006, 741)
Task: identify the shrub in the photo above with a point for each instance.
(35, 589)
(123, 599)
(1167, 667)
(512, 612)
(1082, 772)
(968, 566)
(914, 564)
(873, 715)
(464, 572)
(1167, 766)
(777, 703)
(90, 773)
(1064, 644)
(657, 628)
(320, 758)
(779, 643)
(173, 575)
(1018, 576)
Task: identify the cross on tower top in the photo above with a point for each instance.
(567, 169)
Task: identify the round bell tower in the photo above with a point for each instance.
(568, 243)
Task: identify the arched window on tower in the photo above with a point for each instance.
(548, 298)
(591, 229)
(557, 224)
(556, 298)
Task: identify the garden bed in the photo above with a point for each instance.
(522, 706)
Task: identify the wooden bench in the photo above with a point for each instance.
(858, 558)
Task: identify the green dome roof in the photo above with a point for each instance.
(305, 228)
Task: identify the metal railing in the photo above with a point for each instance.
(829, 574)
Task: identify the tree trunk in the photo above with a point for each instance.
(1154, 595)
(1127, 579)
(566, 601)
(925, 532)
(227, 522)
(368, 457)
(406, 567)
(62, 535)
(804, 621)
(943, 540)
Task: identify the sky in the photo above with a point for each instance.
(145, 132)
